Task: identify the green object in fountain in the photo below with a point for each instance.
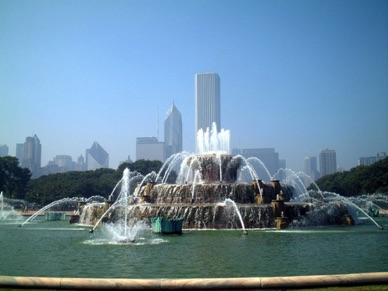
(167, 226)
(55, 216)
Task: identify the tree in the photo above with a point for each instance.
(13, 179)
(357, 181)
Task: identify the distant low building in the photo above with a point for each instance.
(149, 148)
(80, 164)
(3, 150)
(268, 157)
(367, 161)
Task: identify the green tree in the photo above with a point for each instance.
(145, 167)
(357, 181)
(13, 179)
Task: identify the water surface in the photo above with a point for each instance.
(58, 249)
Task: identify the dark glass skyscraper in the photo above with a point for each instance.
(207, 101)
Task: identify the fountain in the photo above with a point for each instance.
(119, 229)
(7, 213)
(208, 183)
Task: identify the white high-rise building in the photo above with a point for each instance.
(207, 101)
(327, 162)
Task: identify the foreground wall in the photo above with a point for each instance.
(296, 282)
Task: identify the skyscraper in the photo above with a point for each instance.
(32, 155)
(96, 157)
(327, 162)
(207, 101)
(310, 168)
(173, 131)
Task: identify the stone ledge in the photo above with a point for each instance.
(264, 283)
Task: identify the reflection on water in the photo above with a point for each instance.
(58, 249)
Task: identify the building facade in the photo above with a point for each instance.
(311, 168)
(20, 153)
(149, 148)
(269, 159)
(207, 101)
(367, 161)
(327, 162)
(173, 131)
(32, 152)
(3, 150)
(96, 157)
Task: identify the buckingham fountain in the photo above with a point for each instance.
(210, 193)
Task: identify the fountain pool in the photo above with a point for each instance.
(60, 249)
(209, 194)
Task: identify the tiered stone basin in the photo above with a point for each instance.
(209, 203)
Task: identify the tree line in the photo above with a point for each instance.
(16, 182)
(359, 180)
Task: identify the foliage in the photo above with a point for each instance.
(13, 179)
(47, 189)
(146, 166)
(101, 182)
(357, 181)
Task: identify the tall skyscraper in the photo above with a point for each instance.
(327, 162)
(32, 155)
(311, 168)
(96, 157)
(173, 131)
(207, 101)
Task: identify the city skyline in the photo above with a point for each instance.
(296, 76)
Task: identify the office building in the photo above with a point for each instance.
(96, 157)
(269, 161)
(327, 162)
(367, 161)
(149, 148)
(64, 162)
(3, 150)
(32, 152)
(20, 153)
(311, 168)
(207, 101)
(80, 164)
(173, 131)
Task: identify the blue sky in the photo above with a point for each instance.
(298, 76)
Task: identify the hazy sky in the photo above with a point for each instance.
(298, 76)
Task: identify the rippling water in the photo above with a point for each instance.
(57, 249)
